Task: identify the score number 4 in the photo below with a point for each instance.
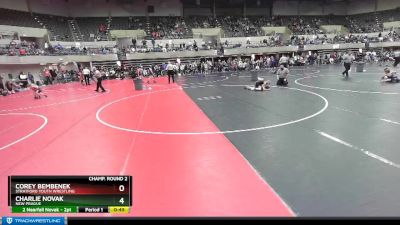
(121, 189)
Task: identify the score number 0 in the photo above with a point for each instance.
(121, 188)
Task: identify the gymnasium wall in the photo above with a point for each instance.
(301, 7)
(310, 8)
(387, 4)
(197, 12)
(335, 8)
(98, 8)
(361, 6)
(49, 7)
(285, 8)
(19, 5)
(117, 8)
(229, 11)
(23, 31)
(304, 7)
(257, 12)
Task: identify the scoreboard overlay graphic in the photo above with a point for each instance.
(70, 194)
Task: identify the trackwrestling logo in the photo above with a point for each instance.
(33, 220)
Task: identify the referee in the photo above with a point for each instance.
(282, 75)
(347, 59)
(170, 72)
(396, 57)
(99, 79)
(86, 74)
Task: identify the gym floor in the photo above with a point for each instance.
(205, 146)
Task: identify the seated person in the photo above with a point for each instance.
(17, 87)
(4, 92)
(10, 87)
(37, 91)
(390, 77)
(23, 80)
(260, 85)
(282, 74)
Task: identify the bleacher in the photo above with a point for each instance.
(17, 18)
(200, 22)
(363, 23)
(89, 28)
(389, 15)
(128, 23)
(235, 26)
(56, 25)
(168, 28)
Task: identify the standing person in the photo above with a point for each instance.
(284, 61)
(86, 74)
(53, 74)
(99, 79)
(134, 43)
(182, 68)
(396, 57)
(203, 68)
(31, 78)
(81, 77)
(268, 61)
(273, 65)
(170, 72)
(347, 64)
(282, 75)
(139, 71)
(198, 67)
(1, 82)
(47, 76)
(319, 59)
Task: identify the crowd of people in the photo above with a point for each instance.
(25, 48)
(278, 64)
(168, 28)
(363, 24)
(8, 87)
(20, 49)
(55, 75)
(239, 26)
(302, 26)
(151, 46)
(343, 38)
(234, 26)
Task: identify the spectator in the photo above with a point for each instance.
(1, 82)
(47, 76)
(134, 42)
(31, 78)
(10, 87)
